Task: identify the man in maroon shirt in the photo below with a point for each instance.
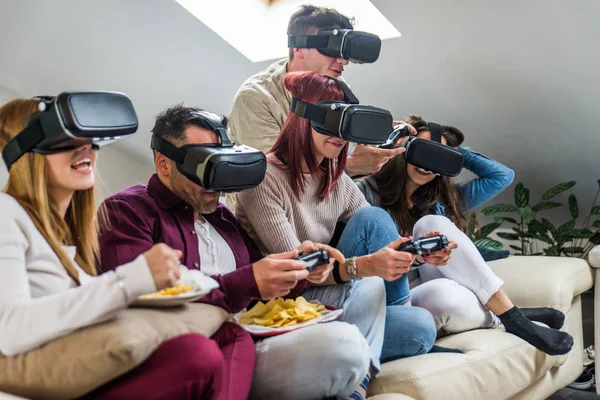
(326, 360)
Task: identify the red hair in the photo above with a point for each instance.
(295, 143)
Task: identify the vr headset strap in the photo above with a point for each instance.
(216, 124)
(167, 149)
(308, 42)
(348, 95)
(436, 131)
(24, 142)
(308, 111)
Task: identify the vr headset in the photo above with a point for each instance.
(346, 119)
(70, 120)
(432, 155)
(219, 167)
(355, 46)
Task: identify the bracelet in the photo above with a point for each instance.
(351, 268)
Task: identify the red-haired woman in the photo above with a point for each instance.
(304, 195)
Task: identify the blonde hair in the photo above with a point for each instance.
(28, 184)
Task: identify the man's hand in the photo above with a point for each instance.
(366, 160)
(277, 274)
(320, 274)
(439, 258)
(387, 263)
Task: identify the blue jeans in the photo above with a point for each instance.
(409, 331)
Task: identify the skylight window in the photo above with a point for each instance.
(258, 30)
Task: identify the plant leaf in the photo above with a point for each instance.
(526, 213)
(596, 224)
(498, 208)
(521, 195)
(535, 226)
(546, 205)
(551, 251)
(549, 225)
(544, 238)
(573, 206)
(505, 219)
(489, 244)
(537, 254)
(487, 229)
(595, 210)
(564, 228)
(575, 249)
(550, 193)
(515, 247)
(508, 236)
(579, 234)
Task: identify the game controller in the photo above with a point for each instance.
(399, 131)
(314, 259)
(425, 245)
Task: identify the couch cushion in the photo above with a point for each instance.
(536, 281)
(493, 362)
(83, 360)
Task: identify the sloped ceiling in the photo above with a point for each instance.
(521, 78)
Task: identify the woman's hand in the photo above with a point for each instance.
(163, 263)
(320, 273)
(439, 258)
(387, 263)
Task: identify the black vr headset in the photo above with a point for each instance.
(432, 155)
(219, 167)
(72, 119)
(355, 46)
(346, 119)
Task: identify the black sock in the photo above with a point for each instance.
(441, 349)
(549, 316)
(550, 341)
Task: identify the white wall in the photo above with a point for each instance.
(116, 170)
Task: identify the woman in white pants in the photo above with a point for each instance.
(456, 286)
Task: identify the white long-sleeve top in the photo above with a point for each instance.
(39, 301)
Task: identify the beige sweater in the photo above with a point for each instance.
(278, 222)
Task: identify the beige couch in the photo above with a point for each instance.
(497, 365)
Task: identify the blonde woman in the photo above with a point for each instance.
(48, 282)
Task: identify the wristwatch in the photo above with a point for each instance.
(351, 268)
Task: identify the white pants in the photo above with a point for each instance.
(315, 362)
(456, 293)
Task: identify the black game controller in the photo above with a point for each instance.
(399, 131)
(314, 259)
(425, 245)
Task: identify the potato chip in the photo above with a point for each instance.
(171, 291)
(280, 313)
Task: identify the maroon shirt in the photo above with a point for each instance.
(144, 215)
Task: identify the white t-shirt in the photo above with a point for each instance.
(216, 257)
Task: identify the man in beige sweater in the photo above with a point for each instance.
(261, 105)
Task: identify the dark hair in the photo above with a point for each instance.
(295, 142)
(310, 19)
(390, 184)
(172, 123)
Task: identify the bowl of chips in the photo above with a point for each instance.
(283, 315)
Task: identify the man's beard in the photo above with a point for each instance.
(199, 206)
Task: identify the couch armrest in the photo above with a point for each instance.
(539, 281)
(594, 257)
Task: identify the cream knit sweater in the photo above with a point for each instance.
(278, 222)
